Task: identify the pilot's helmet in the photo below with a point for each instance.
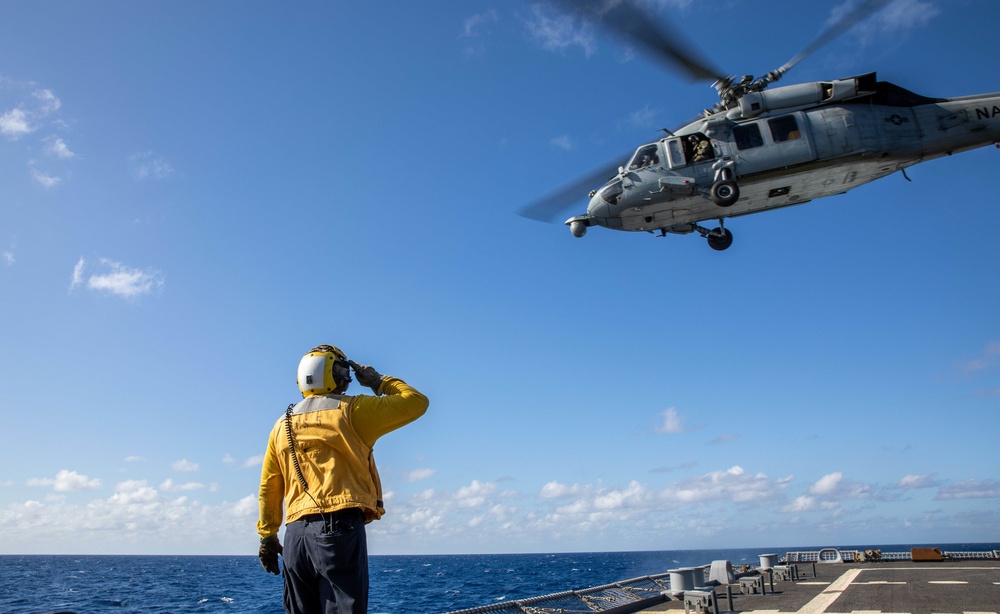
(323, 370)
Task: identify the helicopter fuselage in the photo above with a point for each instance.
(781, 147)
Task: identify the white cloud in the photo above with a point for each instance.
(26, 117)
(904, 15)
(124, 281)
(55, 146)
(724, 439)
(642, 118)
(553, 490)
(253, 461)
(970, 489)
(47, 102)
(44, 180)
(33, 109)
(475, 494)
(619, 498)
(557, 31)
(184, 465)
(418, 474)
(148, 165)
(986, 359)
(117, 278)
(477, 516)
(67, 481)
(671, 422)
(827, 484)
(14, 124)
(132, 492)
(77, 277)
(832, 488)
(137, 518)
(803, 503)
(562, 142)
(896, 19)
(917, 481)
(8, 257)
(472, 25)
(169, 486)
(734, 484)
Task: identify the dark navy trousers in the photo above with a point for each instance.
(326, 564)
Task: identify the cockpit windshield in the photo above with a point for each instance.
(647, 155)
(612, 192)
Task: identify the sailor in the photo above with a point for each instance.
(319, 474)
(702, 148)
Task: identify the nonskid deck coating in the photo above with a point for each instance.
(966, 587)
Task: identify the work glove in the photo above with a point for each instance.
(367, 376)
(270, 548)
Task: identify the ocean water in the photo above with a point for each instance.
(410, 584)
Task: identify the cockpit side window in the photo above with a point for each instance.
(648, 155)
(784, 129)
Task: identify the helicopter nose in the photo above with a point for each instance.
(598, 207)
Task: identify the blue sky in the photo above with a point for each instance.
(196, 193)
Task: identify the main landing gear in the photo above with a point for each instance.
(725, 192)
(719, 239)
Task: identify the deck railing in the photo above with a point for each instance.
(852, 556)
(618, 598)
(641, 593)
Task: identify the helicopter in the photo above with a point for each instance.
(761, 148)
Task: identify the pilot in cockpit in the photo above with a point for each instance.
(646, 157)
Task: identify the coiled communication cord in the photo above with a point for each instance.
(295, 460)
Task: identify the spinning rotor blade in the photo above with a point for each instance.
(848, 21)
(548, 207)
(635, 25)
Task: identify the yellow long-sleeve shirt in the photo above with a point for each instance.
(333, 436)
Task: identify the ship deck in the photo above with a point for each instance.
(887, 587)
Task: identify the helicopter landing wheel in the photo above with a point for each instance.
(719, 239)
(725, 192)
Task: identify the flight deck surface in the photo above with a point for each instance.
(888, 587)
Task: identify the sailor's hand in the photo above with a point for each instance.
(367, 376)
(270, 548)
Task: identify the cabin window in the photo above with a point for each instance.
(784, 129)
(646, 156)
(748, 137)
